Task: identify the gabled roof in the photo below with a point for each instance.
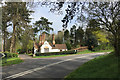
(56, 46)
(46, 45)
(59, 46)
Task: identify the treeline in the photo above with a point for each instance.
(104, 14)
(94, 38)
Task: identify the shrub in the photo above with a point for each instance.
(21, 51)
(56, 53)
(103, 47)
(10, 55)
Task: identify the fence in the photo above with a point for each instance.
(81, 48)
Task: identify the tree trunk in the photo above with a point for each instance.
(117, 46)
(4, 42)
(12, 47)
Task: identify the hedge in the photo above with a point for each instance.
(56, 53)
(10, 55)
(21, 51)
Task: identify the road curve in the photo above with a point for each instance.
(56, 67)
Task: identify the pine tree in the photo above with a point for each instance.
(19, 16)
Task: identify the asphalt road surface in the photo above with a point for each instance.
(51, 68)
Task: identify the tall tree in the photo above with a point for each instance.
(19, 16)
(43, 25)
(0, 28)
(80, 36)
(27, 34)
(90, 39)
(107, 14)
(5, 20)
(59, 37)
(66, 35)
(73, 34)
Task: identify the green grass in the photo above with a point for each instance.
(105, 66)
(82, 52)
(30, 54)
(10, 61)
(88, 51)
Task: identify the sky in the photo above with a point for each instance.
(52, 17)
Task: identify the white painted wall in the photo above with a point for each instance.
(46, 44)
(63, 49)
(55, 50)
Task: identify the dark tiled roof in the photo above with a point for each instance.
(59, 46)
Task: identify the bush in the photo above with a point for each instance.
(21, 51)
(56, 53)
(103, 47)
(10, 55)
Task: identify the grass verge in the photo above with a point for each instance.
(10, 61)
(105, 66)
(82, 52)
(88, 51)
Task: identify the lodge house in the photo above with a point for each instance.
(44, 46)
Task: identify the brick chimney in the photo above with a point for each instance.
(40, 40)
(53, 39)
(43, 38)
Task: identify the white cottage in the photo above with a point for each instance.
(45, 46)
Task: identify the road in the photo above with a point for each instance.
(57, 67)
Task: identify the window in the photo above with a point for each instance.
(46, 49)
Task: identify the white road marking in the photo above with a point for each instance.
(39, 68)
